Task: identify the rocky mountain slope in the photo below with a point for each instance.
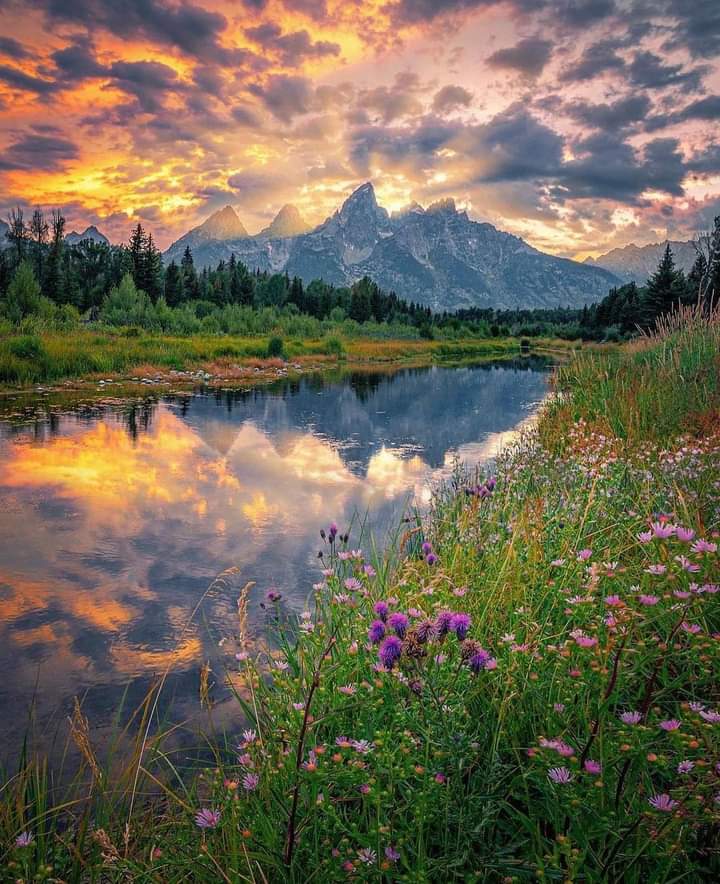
(436, 256)
(91, 233)
(637, 263)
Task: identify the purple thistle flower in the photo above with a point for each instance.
(398, 622)
(24, 839)
(332, 531)
(425, 630)
(460, 624)
(670, 724)
(392, 854)
(560, 775)
(427, 548)
(273, 595)
(480, 660)
(593, 767)
(491, 483)
(631, 717)
(390, 651)
(431, 558)
(376, 632)
(207, 818)
(662, 802)
(381, 609)
(442, 623)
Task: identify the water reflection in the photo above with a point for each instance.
(114, 526)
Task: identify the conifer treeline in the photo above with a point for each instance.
(87, 276)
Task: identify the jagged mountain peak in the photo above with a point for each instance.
(412, 208)
(223, 224)
(287, 222)
(442, 207)
(91, 233)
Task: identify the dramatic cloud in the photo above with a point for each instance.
(577, 124)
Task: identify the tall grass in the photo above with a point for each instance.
(525, 688)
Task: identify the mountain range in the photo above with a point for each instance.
(436, 256)
(91, 233)
(637, 263)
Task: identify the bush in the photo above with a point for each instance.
(275, 348)
(26, 347)
(335, 347)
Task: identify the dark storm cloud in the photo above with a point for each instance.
(450, 98)
(192, 29)
(315, 9)
(292, 48)
(616, 114)
(42, 152)
(285, 96)
(647, 71)
(12, 48)
(17, 79)
(697, 27)
(146, 81)
(529, 56)
(78, 61)
(598, 58)
(573, 14)
(707, 108)
(400, 146)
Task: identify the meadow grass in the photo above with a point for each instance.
(54, 356)
(525, 687)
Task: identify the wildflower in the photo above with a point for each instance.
(250, 782)
(560, 775)
(352, 584)
(687, 565)
(662, 530)
(427, 548)
(440, 777)
(685, 767)
(460, 624)
(246, 760)
(656, 570)
(481, 660)
(631, 717)
(24, 839)
(273, 595)
(584, 555)
(369, 571)
(311, 764)
(424, 630)
(249, 736)
(684, 534)
(362, 746)
(662, 802)
(348, 689)
(398, 622)
(711, 717)
(645, 536)
(671, 724)
(648, 600)
(559, 707)
(207, 819)
(696, 707)
(593, 767)
(431, 559)
(381, 609)
(442, 623)
(440, 659)
(366, 855)
(364, 788)
(343, 742)
(557, 563)
(614, 601)
(703, 546)
(459, 591)
(392, 854)
(585, 641)
(692, 628)
(376, 632)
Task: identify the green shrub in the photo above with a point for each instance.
(275, 348)
(27, 347)
(335, 347)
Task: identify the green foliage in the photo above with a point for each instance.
(335, 347)
(26, 347)
(23, 294)
(275, 349)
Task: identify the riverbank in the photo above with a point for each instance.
(526, 688)
(115, 357)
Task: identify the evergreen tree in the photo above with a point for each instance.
(17, 233)
(696, 278)
(191, 286)
(711, 295)
(136, 248)
(152, 270)
(54, 275)
(39, 235)
(23, 294)
(665, 288)
(173, 285)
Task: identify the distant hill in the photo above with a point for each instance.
(637, 263)
(91, 233)
(436, 256)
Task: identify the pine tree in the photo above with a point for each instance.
(173, 285)
(136, 248)
(17, 233)
(54, 275)
(711, 295)
(152, 270)
(695, 279)
(39, 234)
(190, 280)
(665, 288)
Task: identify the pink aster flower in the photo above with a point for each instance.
(670, 724)
(392, 854)
(656, 570)
(703, 546)
(687, 565)
(348, 689)
(367, 856)
(692, 628)
(593, 767)
(585, 641)
(685, 767)
(645, 536)
(711, 716)
(684, 534)
(24, 839)
(250, 782)
(584, 555)
(648, 600)
(207, 818)
(614, 601)
(560, 775)
(662, 802)
(662, 530)
(352, 584)
(631, 717)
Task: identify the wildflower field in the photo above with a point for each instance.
(526, 689)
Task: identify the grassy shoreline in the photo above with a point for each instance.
(525, 689)
(53, 357)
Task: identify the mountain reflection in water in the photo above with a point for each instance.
(113, 526)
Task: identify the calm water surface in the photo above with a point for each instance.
(113, 524)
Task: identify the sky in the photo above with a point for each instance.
(580, 125)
